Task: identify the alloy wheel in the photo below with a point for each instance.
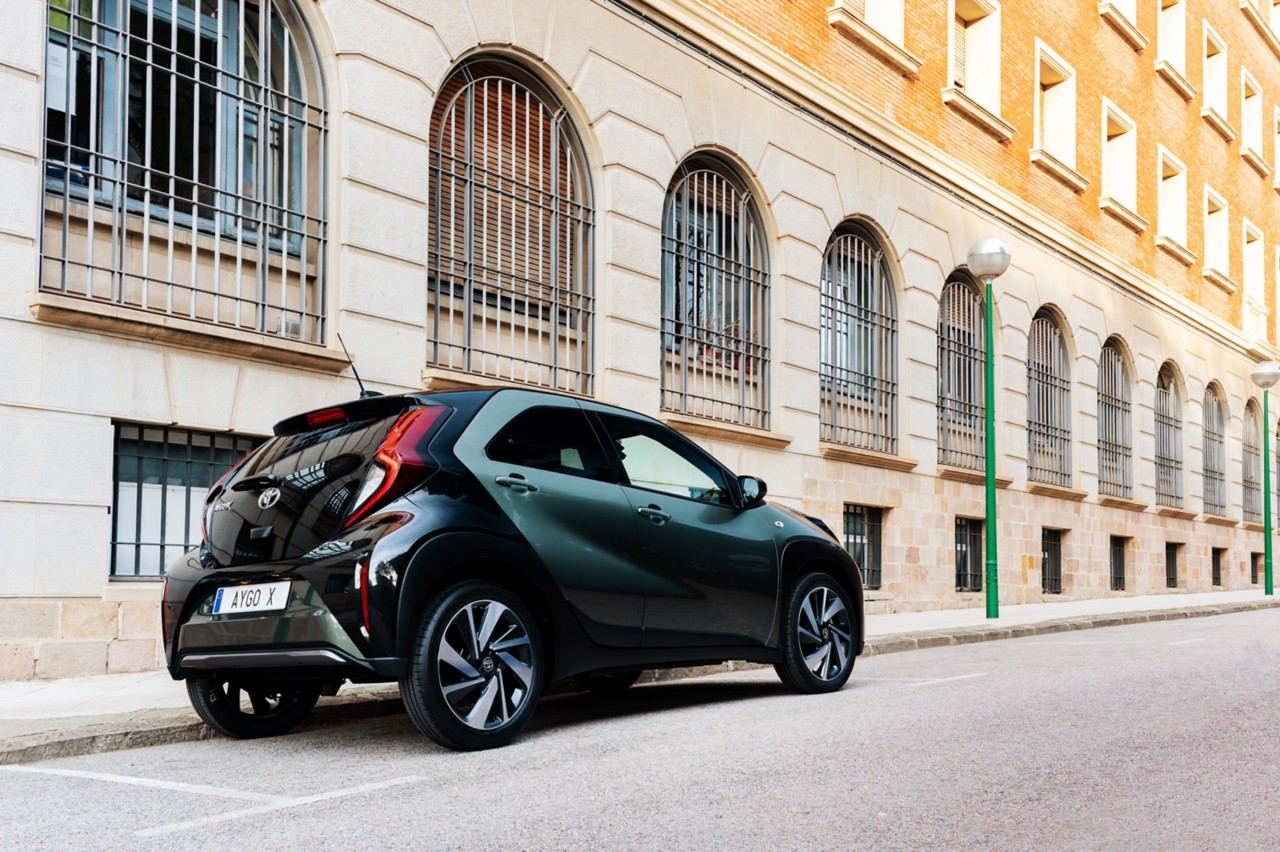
(825, 633)
(484, 664)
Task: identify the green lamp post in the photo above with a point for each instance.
(988, 260)
(1264, 376)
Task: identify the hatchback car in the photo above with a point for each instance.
(478, 545)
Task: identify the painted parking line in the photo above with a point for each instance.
(1183, 642)
(175, 786)
(920, 681)
(949, 679)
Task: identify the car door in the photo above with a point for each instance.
(539, 458)
(711, 567)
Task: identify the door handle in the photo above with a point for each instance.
(516, 483)
(654, 513)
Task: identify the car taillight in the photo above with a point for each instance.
(399, 463)
(326, 417)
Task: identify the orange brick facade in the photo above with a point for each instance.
(1106, 65)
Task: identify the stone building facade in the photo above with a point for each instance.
(748, 219)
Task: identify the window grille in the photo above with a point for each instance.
(509, 268)
(1051, 561)
(969, 562)
(1251, 466)
(1255, 559)
(1168, 418)
(1171, 566)
(184, 160)
(1117, 563)
(1215, 462)
(961, 378)
(1217, 556)
(859, 345)
(1048, 404)
(1115, 424)
(862, 541)
(162, 477)
(715, 298)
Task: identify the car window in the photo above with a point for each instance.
(559, 440)
(654, 459)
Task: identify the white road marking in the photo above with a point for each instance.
(280, 805)
(949, 679)
(1183, 642)
(920, 681)
(175, 786)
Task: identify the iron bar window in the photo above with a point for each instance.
(1117, 563)
(1048, 404)
(184, 153)
(1215, 454)
(1217, 556)
(1251, 465)
(1115, 424)
(1255, 559)
(862, 540)
(162, 476)
(510, 291)
(969, 562)
(715, 297)
(859, 344)
(961, 381)
(1171, 565)
(1051, 561)
(1168, 419)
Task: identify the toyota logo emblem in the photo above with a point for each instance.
(268, 498)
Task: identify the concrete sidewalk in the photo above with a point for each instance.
(46, 719)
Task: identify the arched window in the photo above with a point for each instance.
(715, 297)
(184, 161)
(1168, 439)
(1251, 467)
(509, 272)
(961, 378)
(859, 344)
(1115, 424)
(1215, 454)
(1048, 403)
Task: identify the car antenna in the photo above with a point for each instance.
(364, 394)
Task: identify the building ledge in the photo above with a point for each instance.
(1122, 503)
(1177, 250)
(698, 427)
(1220, 279)
(840, 452)
(1254, 526)
(977, 113)
(1218, 123)
(1254, 159)
(1220, 520)
(1175, 78)
(79, 313)
(1125, 27)
(1254, 16)
(1051, 164)
(841, 17)
(1123, 214)
(1062, 492)
(1174, 512)
(976, 477)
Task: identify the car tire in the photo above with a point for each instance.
(275, 707)
(476, 669)
(818, 630)
(608, 682)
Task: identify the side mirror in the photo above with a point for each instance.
(753, 491)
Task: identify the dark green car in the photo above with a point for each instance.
(478, 545)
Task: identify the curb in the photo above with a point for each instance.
(93, 739)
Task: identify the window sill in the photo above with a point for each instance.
(1126, 28)
(1123, 214)
(697, 427)
(1062, 492)
(1254, 526)
(843, 19)
(1220, 520)
(1174, 512)
(1174, 78)
(442, 378)
(1177, 250)
(1122, 503)
(1218, 123)
(1220, 280)
(839, 452)
(1060, 170)
(975, 477)
(977, 113)
(76, 312)
(1254, 159)
(1251, 12)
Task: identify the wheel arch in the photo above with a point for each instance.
(803, 557)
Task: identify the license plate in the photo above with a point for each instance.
(260, 598)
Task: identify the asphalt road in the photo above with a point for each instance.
(1152, 736)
